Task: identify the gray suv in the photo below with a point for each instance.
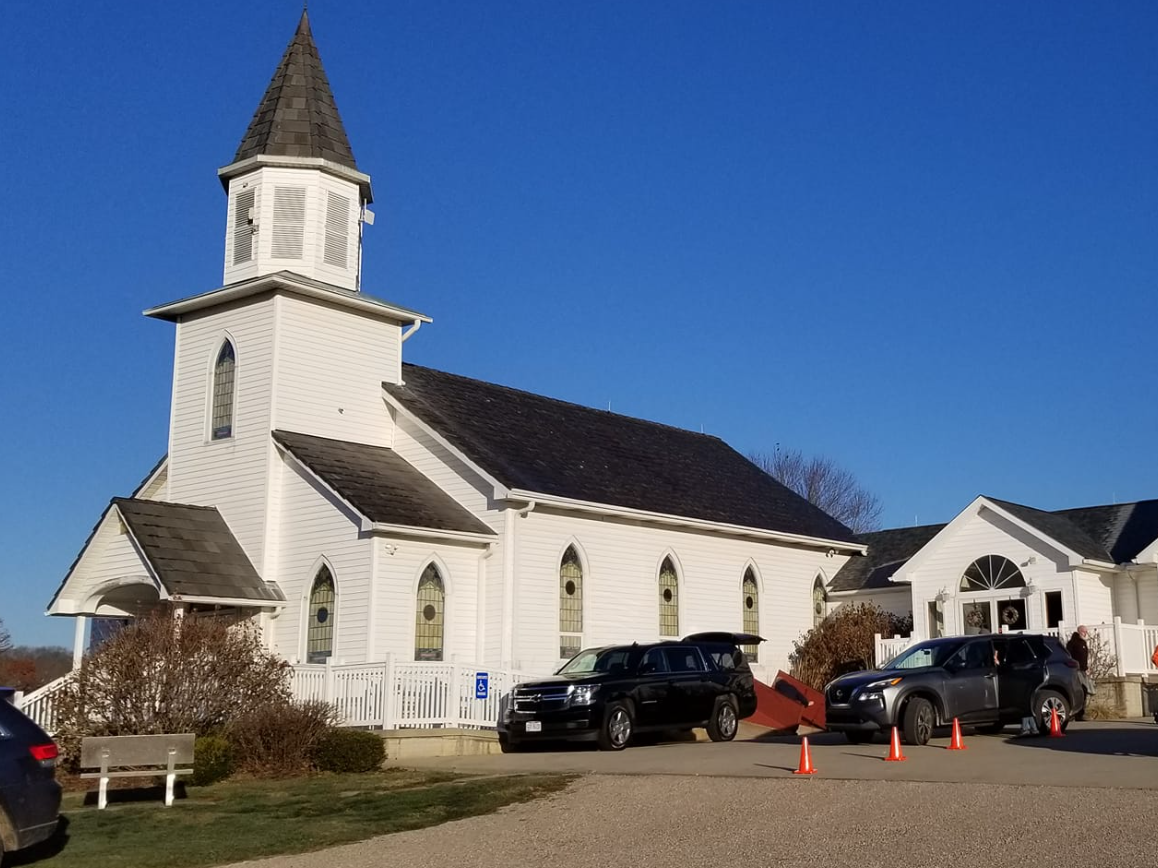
(987, 681)
(29, 793)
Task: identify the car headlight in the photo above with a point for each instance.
(880, 685)
(584, 695)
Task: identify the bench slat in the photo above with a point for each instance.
(160, 773)
(136, 750)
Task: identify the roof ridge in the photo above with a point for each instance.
(541, 397)
(119, 500)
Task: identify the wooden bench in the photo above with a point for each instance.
(130, 752)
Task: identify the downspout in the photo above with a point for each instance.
(508, 640)
(409, 333)
(480, 642)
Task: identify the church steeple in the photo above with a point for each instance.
(296, 197)
(297, 116)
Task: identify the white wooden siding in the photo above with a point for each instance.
(1095, 597)
(109, 557)
(230, 474)
(1148, 596)
(446, 471)
(987, 533)
(157, 488)
(621, 597)
(331, 363)
(314, 525)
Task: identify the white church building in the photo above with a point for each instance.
(377, 517)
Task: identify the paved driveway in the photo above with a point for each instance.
(1092, 754)
(681, 822)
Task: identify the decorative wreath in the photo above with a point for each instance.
(1010, 615)
(973, 618)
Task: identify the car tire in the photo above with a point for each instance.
(1046, 700)
(508, 746)
(725, 721)
(858, 737)
(617, 727)
(918, 722)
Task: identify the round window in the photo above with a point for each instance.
(428, 612)
(569, 588)
(749, 602)
(323, 615)
(667, 595)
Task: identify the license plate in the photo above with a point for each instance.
(534, 726)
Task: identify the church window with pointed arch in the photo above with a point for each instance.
(570, 604)
(750, 606)
(320, 628)
(669, 601)
(819, 602)
(221, 422)
(429, 615)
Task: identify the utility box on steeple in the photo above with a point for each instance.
(296, 198)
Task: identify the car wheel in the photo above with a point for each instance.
(1047, 701)
(615, 733)
(724, 722)
(508, 746)
(858, 737)
(917, 726)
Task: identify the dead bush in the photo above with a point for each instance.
(279, 740)
(843, 642)
(167, 675)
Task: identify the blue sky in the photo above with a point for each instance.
(917, 238)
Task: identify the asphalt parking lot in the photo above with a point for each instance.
(1092, 754)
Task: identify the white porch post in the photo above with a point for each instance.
(78, 640)
(1119, 646)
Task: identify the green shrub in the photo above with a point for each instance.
(349, 751)
(212, 760)
(278, 740)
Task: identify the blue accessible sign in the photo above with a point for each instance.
(481, 685)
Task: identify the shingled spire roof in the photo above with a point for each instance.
(297, 116)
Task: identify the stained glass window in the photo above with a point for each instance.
(819, 602)
(750, 606)
(570, 604)
(669, 602)
(320, 630)
(429, 616)
(223, 373)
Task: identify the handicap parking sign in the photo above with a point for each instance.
(481, 685)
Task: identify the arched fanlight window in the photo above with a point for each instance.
(320, 629)
(429, 616)
(669, 601)
(819, 602)
(570, 604)
(221, 424)
(992, 573)
(750, 603)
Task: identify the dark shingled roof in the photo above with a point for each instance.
(888, 550)
(1116, 533)
(543, 445)
(297, 116)
(193, 552)
(380, 484)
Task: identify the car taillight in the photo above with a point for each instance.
(43, 752)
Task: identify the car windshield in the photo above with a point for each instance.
(923, 654)
(600, 660)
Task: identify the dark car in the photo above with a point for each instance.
(610, 694)
(29, 793)
(987, 681)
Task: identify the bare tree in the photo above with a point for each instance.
(5, 639)
(824, 483)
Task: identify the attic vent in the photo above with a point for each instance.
(337, 230)
(289, 222)
(243, 205)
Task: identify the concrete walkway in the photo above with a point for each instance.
(1092, 754)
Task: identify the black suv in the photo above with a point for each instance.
(988, 681)
(609, 694)
(29, 793)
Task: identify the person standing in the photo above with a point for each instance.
(1079, 649)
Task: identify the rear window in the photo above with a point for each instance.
(727, 658)
(686, 659)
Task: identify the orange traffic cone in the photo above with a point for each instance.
(895, 755)
(1055, 730)
(957, 743)
(806, 766)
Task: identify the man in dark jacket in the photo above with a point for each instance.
(1079, 649)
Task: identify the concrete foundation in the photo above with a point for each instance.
(405, 744)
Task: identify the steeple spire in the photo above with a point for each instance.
(298, 117)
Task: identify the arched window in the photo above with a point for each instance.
(750, 602)
(320, 629)
(819, 602)
(221, 425)
(669, 600)
(992, 573)
(429, 616)
(570, 604)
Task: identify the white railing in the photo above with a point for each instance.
(40, 704)
(887, 649)
(406, 694)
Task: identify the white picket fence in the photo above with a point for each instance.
(405, 694)
(1131, 644)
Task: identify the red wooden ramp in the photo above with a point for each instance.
(787, 704)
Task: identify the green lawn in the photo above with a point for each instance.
(238, 820)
